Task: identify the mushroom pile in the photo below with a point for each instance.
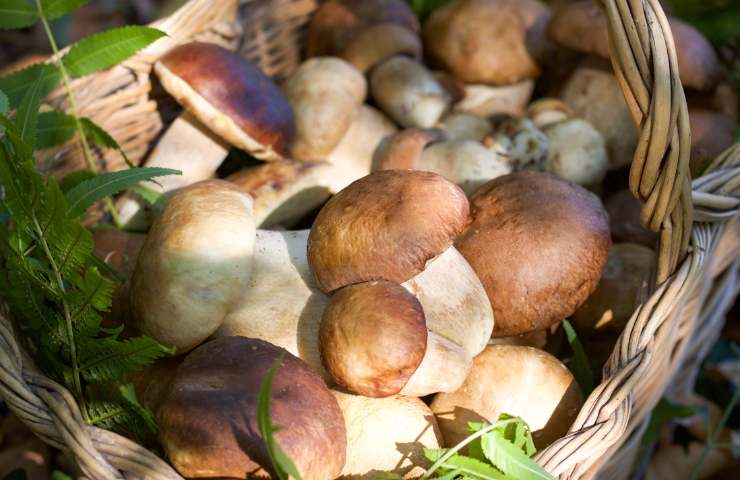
(407, 234)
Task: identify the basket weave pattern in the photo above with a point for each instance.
(679, 319)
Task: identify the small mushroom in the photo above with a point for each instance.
(194, 264)
(621, 287)
(325, 93)
(538, 244)
(375, 44)
(624, 220)
(521, 381)
(582, 26)
(228, 101)
(208, 420)
(485, 41)
(577, 152)
(373, 230)
(465, 126)
(387, 435)
(488, 100)
(284, 191)
(526, 146)
(408, 92)
(466, 163)
(711, 134)
(546, 111)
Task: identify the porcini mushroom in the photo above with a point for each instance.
(208, 420)
(526, 146)
(521, 381)
(465, 162)
(711, 134)
(229, 101)
(624, 220)
(377, 43)
(387, 435)
(373, 230)
(284, 191)
(577, 152)
(465, 126)
(408, 92)
(538, 244)
(621, 287)
(325, 93)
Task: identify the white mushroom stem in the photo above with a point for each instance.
(188, 146)
(408, 92)
(443, 368)
(487, 100)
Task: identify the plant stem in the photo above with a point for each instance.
(712, 440)
(87, 153)
(77, 383)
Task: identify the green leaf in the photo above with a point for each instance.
(75, 178)
(16, 84)
(511, 460)
(579, 364)
(462, 465)
(28, 111)
(54, 128)
(283, 465)
(106, 49)
(107, 359)
(106, 184)
(59, 475)
(101, 138)
(129, 396)
(4, 103)
(57, 8)
(16, 14)
(156, 200)
(664, 411)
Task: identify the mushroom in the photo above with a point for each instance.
(538, 244)
(194, 264)
(521, 381)
(334, 24)
(387, 435)
(711, 134)
(284, 191)
(208, 422)
(465, 126)
(408, 92)
(373, 45)
(624, 220)
(487, 100)
(119, 250)
(486, 41)
(373, 230)
(229, 101)
(620, 290)
(325, 93)
(374, 341)
(577, 152)
(535, 339)
(465, 162)
(582, 26)
(546, 111)
(526, 146)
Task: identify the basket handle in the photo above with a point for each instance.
(643, 56)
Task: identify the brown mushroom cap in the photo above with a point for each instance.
(613, 302)
(373, 337)
(520, 381)
(711, 134)
(379, 42)
(485, 41)
(231, 96)
(582, 26)
(208, 420)
(624, 219)
(538, 244)
(385, 226)
(334, 23)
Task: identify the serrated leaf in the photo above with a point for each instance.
(106, 49)
(4, 103)
(101, 138)
(283, 465)
(16, 14)
(57, 8)
(466, 466)
(16, 84)
(129, 396)
(54, 128)
(90, 191)
(579, 363)
(26, 117)
(107, 359)
(511, 460)
(75, 178)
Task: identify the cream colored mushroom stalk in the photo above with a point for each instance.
(390, 229)
(240, 106)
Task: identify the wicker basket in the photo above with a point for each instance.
(659, 351)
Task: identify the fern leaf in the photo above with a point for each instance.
(511, 460)
(57, 8)
(16, 84)
(105, 49)
(4, 102)
(129, 396)
(54, 128)
(106, 184)
(26, 300)
(107, 359)
(16, 14)
(70, 247)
